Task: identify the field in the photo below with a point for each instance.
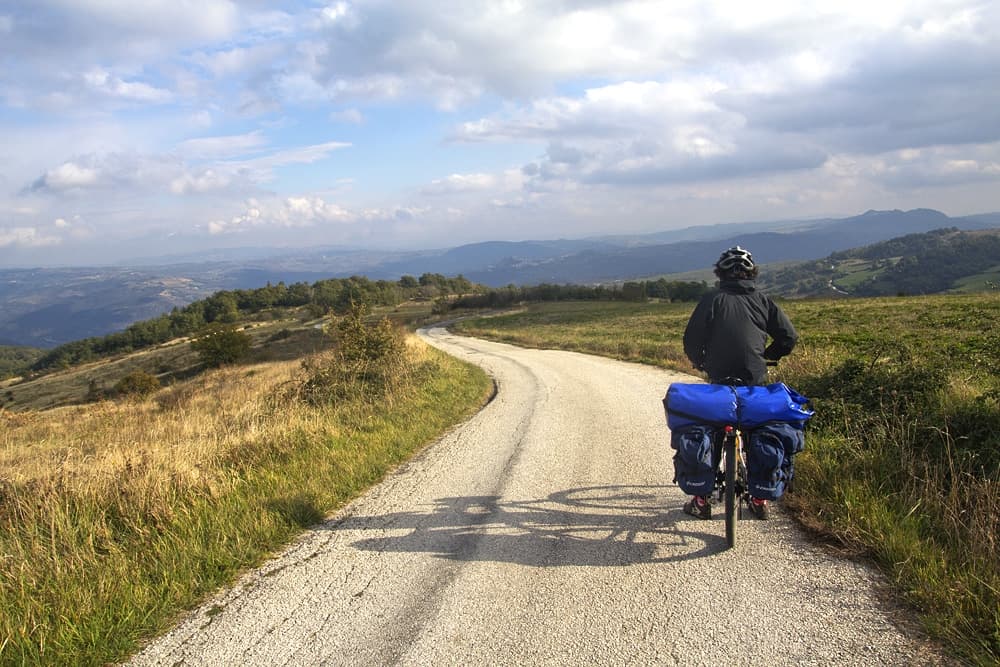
(902, 462)
(116, 516)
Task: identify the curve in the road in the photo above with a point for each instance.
(545, 530)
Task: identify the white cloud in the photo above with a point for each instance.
(103, 82)
(335, 12)
(29, 237)
(226, 168)
(287, 213)
(460, 183)
(263, 216)
(299, 155)
(69, 175)
(222, 147)
(238, 60)
(204, 181)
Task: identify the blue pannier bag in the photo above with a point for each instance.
(694, 469)
(770, 451)
(739, 406)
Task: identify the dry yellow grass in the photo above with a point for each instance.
(177, 433)
(115, 515)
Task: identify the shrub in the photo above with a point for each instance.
(137, 384)
(221, 345)
(368, 361)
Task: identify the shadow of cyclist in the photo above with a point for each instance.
(595, 526)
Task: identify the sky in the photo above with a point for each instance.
(138, 129)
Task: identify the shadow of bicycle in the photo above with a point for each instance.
(590, 526)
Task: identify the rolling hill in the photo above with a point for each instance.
(943, 260)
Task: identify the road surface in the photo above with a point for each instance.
(546, 530)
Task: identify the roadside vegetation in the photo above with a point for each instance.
(902, 461)
(117, 515)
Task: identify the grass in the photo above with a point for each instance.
(902, 461)
(272, 341)
(115, 517)
(976, 282)
(855, 272)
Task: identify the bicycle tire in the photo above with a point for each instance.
(729, 452)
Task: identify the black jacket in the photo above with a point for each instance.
(727, 333)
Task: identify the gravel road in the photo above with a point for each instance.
(546, 530)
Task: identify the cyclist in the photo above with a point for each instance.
(726, 337)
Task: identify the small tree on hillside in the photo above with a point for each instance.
(221, 345)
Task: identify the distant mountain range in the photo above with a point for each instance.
(47, 307)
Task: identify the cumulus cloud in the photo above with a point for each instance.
(67, 176)
(343, 222)
(28, 237)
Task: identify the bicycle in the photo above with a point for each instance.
(731, 484)
(721, 416)
(731, 480)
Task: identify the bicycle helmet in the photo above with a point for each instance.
(735, 260)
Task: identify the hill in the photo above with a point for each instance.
(943, 260)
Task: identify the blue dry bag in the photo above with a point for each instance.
(719, 405)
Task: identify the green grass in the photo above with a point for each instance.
(855, 272)
(902, 461)
(978, 282)
(106, 548)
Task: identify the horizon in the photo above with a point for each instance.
(184, 127)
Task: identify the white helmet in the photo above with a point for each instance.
(735, 259)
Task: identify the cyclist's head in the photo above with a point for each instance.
(736, 264)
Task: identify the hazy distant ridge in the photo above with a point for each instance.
(47, 307)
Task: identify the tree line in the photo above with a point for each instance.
(335, 295)
(629, 291)
(338, 296)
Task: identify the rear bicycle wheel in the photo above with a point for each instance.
(729, 455)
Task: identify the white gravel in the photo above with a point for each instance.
(545, 531)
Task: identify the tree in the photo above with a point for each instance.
(221, 307)
(221, 345)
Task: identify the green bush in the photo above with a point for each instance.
(221, 345)
(369, 361)
(137, 384)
